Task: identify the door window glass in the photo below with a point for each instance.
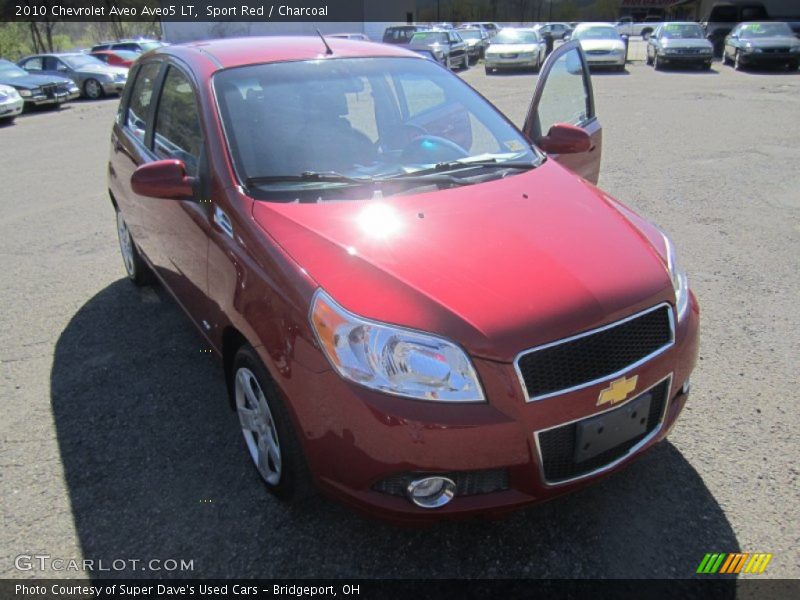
(141, 96)
(33, 64)
(565, 97)
(177, 126)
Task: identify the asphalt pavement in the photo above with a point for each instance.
(116, 440)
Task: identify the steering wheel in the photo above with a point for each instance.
(432, 149)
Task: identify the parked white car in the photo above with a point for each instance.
(627, 26)
(10, 103)
(601, 44)
(515, 48)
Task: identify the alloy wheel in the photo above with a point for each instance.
(93, 89)
(258, 426)
(126, 245)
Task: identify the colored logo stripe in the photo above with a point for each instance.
(725, 563)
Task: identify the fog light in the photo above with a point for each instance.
(431, 492)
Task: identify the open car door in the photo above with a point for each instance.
(561, 119)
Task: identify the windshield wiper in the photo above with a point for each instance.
(306, 176)
(457, 165)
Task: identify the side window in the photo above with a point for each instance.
(33, 64)
(177, 126)
(565, 97)
(53, 64)
(421, 94)
(141, 96)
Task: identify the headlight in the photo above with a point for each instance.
(13, 93)
(680, 282)
(26, 93)
(748, 47)
(391, 359)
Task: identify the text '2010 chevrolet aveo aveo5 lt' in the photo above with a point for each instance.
(419, 310)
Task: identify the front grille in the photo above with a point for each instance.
(468, 483)
(777, 50)
(595, 355)
(49, 90)
(63, 88)
(557, 445)
(598, 52)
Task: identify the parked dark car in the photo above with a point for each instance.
(417, 309)
(93, 77)
(446, 47)
(679, 44)
(402, 34)
(38, 90)
(476, 39)
(138, 46)
(760, 44)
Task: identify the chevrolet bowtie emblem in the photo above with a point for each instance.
(618, 390)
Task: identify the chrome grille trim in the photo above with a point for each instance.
(608, 377)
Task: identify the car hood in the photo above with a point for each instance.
(602, 45)
(686, 43)
(31, 81)
(511, 48)
(498, 267)
(773, 42)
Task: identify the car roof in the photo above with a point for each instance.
(235, 52)
(594, 24)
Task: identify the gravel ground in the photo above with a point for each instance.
(116, 440)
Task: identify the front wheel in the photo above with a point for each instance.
(657, 64)
(737, 62)
(465, 64)
(137, 269)
(92, 89)
(268, 430)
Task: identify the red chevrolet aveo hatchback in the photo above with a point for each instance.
(421, 309)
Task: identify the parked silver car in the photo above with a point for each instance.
(10, 103)
(602, 45)
(93, 77)
(679, 43)
(515, 48)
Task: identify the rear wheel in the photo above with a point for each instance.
(137, 270)
(268, 430)
(92, 89)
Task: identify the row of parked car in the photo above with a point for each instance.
(50, 79)
(670, 43)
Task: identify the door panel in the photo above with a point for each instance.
(564, 94)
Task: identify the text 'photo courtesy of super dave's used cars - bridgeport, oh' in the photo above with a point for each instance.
(422, 310)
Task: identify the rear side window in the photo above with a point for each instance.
(141, 96)
(177, 127)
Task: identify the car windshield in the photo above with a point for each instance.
(333, 123)
(596, 33)
(470, 34)
(8, 69)
(762, 30)
(682, 31)
(510, 36)
(425, 38)
(79, 61)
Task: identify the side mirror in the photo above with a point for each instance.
(163, 179)
(565, 139)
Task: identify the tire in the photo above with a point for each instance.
(706, 66)
(621, 68)
(447, 64)
(657, 64)
(488, 70)
(7, 121)
(465, 63)
(268, 431)
(93, 89)
(138, 271)
(737, 62)
(647, 59)
(793, 66)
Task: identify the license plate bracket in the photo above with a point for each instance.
(603, 432)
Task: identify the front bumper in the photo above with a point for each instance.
(11, 108)
(500, 62)
(688, 58)
(768, 58)
(113, 87)
(608, 59)
(355, 438)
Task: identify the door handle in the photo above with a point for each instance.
(223, 222)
